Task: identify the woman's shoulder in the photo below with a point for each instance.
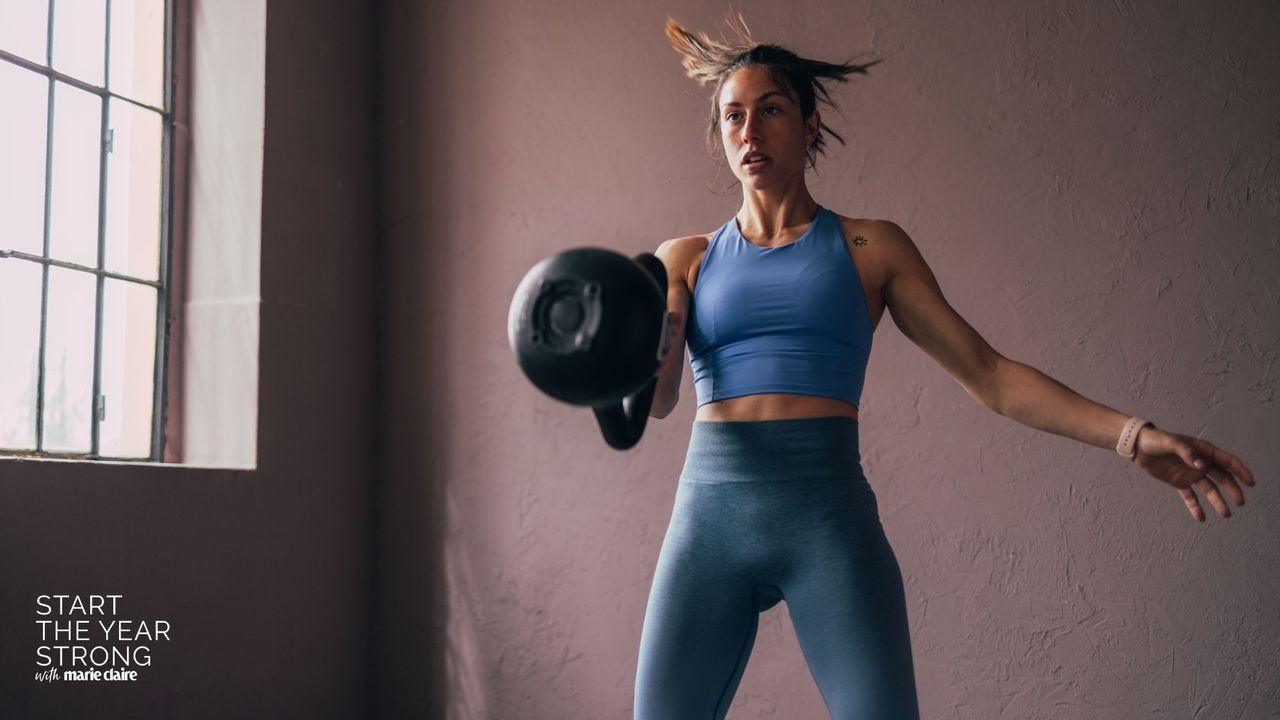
(881, 234)
(871, 243)
(854, 224)
(682, 250)
(871, 235)
(691, 244)
(682, 255)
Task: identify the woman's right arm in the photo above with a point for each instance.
(667, 393)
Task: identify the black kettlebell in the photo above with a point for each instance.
(590, 326)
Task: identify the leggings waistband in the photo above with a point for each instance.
(777, 450)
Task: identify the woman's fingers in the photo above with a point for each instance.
(1235, 465)
(1225, 460)
(1220, 470)
(1225, 479)
(1192, 503)
(1214, 495)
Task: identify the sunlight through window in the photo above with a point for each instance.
(83, 226)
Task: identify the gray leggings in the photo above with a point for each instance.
(765, 511)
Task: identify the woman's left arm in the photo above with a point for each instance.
(1018, 391)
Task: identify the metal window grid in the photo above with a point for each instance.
(166, 204)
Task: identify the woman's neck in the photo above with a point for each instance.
(766, 219)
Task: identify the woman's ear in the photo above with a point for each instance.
(811, 128)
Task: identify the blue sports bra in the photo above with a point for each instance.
(791, 318)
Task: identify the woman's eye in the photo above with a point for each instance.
(730, 117)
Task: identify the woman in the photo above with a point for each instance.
(778, 307)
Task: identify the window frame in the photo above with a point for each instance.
(163, 284)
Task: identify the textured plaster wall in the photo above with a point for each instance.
(1094, 184)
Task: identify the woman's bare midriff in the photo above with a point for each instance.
(774, 406)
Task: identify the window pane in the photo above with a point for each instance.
(128, 364)
(23, 126)
(80, 38)
(133, 192)
(137, 50)
(19, 370)
(24, 28)
(68, 380)
(73, 222)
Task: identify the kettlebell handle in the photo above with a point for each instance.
(622, 423)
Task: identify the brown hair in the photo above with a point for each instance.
(707, 60)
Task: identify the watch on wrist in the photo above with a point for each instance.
(1128, 443)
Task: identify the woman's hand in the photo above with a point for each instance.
(1183, 462)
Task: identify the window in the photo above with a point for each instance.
(85, 185)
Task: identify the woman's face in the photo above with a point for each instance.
(758, 118)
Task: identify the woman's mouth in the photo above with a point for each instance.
(755, 162)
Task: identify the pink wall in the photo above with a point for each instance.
(1093, 184)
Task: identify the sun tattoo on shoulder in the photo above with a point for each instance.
(859, 240)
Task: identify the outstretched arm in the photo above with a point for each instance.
(1021, 392)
